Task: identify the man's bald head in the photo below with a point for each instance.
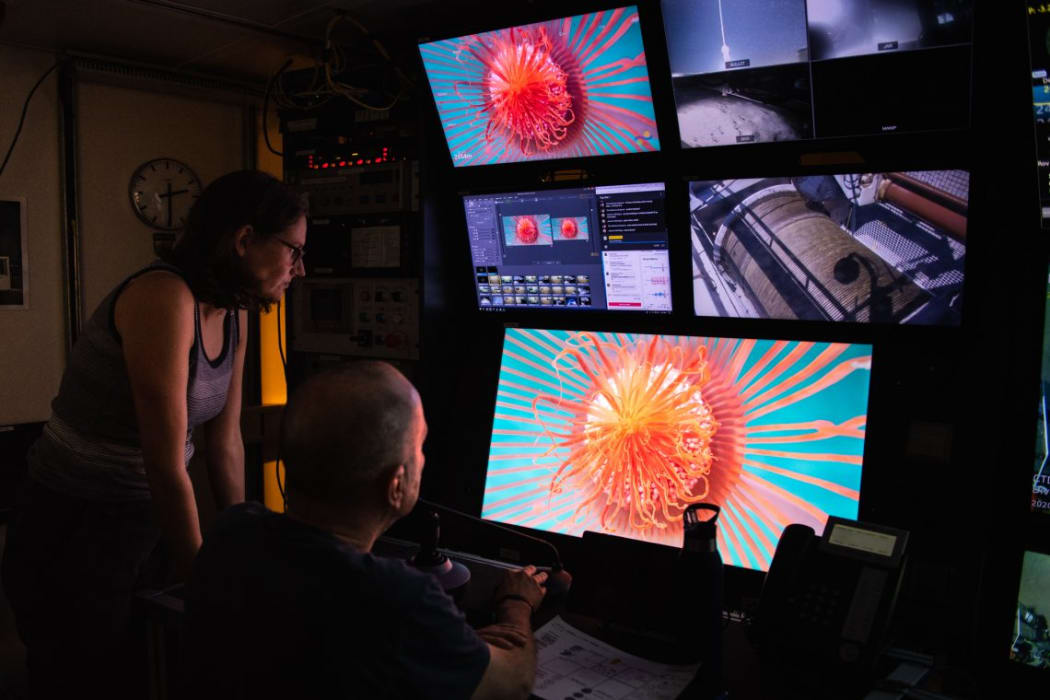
(345, 429)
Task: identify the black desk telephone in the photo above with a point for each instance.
(827, 601)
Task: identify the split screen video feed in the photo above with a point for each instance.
(619, 432)
(756, 71)
(854, 247)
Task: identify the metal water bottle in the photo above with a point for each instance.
(700, 586)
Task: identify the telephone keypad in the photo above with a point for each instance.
(818, 604)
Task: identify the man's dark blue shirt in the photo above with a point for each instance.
(278, 608)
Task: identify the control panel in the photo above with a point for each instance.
(361, 189)
(357, 316)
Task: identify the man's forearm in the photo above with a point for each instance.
(518, 614)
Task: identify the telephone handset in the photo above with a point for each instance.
(827, 601)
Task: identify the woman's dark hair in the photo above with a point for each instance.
(205, 251)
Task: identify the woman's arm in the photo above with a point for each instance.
(222, 434)
(154, 316)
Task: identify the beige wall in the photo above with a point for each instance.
(120, 129)
(32, 340)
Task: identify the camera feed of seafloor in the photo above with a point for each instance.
(1031, 641)
(862, 248)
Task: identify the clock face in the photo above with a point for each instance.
(162, 192)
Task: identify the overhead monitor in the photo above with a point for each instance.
(787, 70)
(565, 88)
(1031, 640)
(618, 433)
(585, 248)
(854, 247)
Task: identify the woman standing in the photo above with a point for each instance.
(163, 354)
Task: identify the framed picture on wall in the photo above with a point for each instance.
(14, 266)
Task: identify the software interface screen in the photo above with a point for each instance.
(566, 88)
(619, 432)
(852, 247)
(753, 71)
(599, 248)
(1031, 642)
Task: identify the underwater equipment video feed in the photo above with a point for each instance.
(853, 247)
(565, 88)
(619, 433)
(1031, 640)
(754, 71)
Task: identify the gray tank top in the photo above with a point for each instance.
(90, 446)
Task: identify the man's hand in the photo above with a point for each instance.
(512, 650)
(525, 583)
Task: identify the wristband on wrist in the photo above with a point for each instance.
(515, 596)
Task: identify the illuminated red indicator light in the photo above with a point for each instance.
(342, 162)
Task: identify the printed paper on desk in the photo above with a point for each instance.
(570, 662)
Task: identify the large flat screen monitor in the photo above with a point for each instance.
(1031, 641)
(619, 432)
(586, 248)
(1041, 473)
(753, 71)
(853, 247)
(565, 88)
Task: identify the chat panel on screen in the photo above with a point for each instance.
(566, 88)
(619, 433)
(861, 248)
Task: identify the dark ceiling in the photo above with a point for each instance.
(237, 39)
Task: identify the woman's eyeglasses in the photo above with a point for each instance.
(298, 251)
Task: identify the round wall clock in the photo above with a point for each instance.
(162, 192)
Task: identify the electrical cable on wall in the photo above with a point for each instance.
(25, 108)
(266, 109)
(280, 441)
(325, 82)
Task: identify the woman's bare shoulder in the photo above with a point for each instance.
(158, 286)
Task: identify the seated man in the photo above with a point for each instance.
(295, 606)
